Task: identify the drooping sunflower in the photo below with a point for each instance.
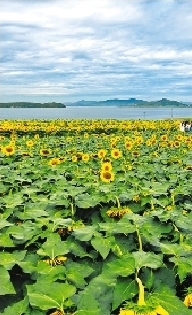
(116, 153)
(45, 152)
(106, 176)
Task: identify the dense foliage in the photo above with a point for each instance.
(95, 217)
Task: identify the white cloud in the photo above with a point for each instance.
(77, 47)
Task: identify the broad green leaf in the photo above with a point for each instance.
(125, 289)
(123, 266)
(76, 273)
(86, 201)
(84, 233)
(102, 245)
(163, 276)
(4, 223)
(87, 305)
(53, 247)
(75, 247)
(5, 241)
(6, 286)
(51, 295)
(184, 266)
(43, 301)
(173, 249)
(147, 259)
(17, 308)
(117, 228)
(170, 302)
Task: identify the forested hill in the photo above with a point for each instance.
(31, 105)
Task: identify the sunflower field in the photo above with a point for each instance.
(96, 217)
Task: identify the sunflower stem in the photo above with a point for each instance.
(118, 203)
(140, 240)
(141, 300)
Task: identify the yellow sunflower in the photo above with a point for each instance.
(85, 157)
(128, 145)
(107, 167)
(54, 161)
(116, 153)
(45, 152)
(176, 144)
(188, 300)
(8, 150)
(164, 138)
(107, 177)
(29, 143)
(74, 158)
(135, 153)
(102, 153)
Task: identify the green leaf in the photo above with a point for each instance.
(125, 289)
(46, 295)
(123, 266)
(76, 273)
(172, 249)
(117, 228)
(6, 286)
(184, 266)
(4, 223)
(170, 302)
(53, 247)
(102, 245)
(43, 301)
(17, 308)
(87, 305)
(84, 233)
(85, 201)
(5, 241)
(147, 259)
(164, 276)
(75, 248)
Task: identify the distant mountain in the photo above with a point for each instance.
(131, 102)
(31, 105)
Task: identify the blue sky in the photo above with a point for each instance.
(69, 50)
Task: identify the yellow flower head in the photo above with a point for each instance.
(188, 300)
(8, 150)
(107, 176)
(116, 153)
(54, 161)
(29, 143)
(85, 157)
(102, 153)
(45, 152)
(128, 145)
(106, 167)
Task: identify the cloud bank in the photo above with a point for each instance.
(55, 50)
